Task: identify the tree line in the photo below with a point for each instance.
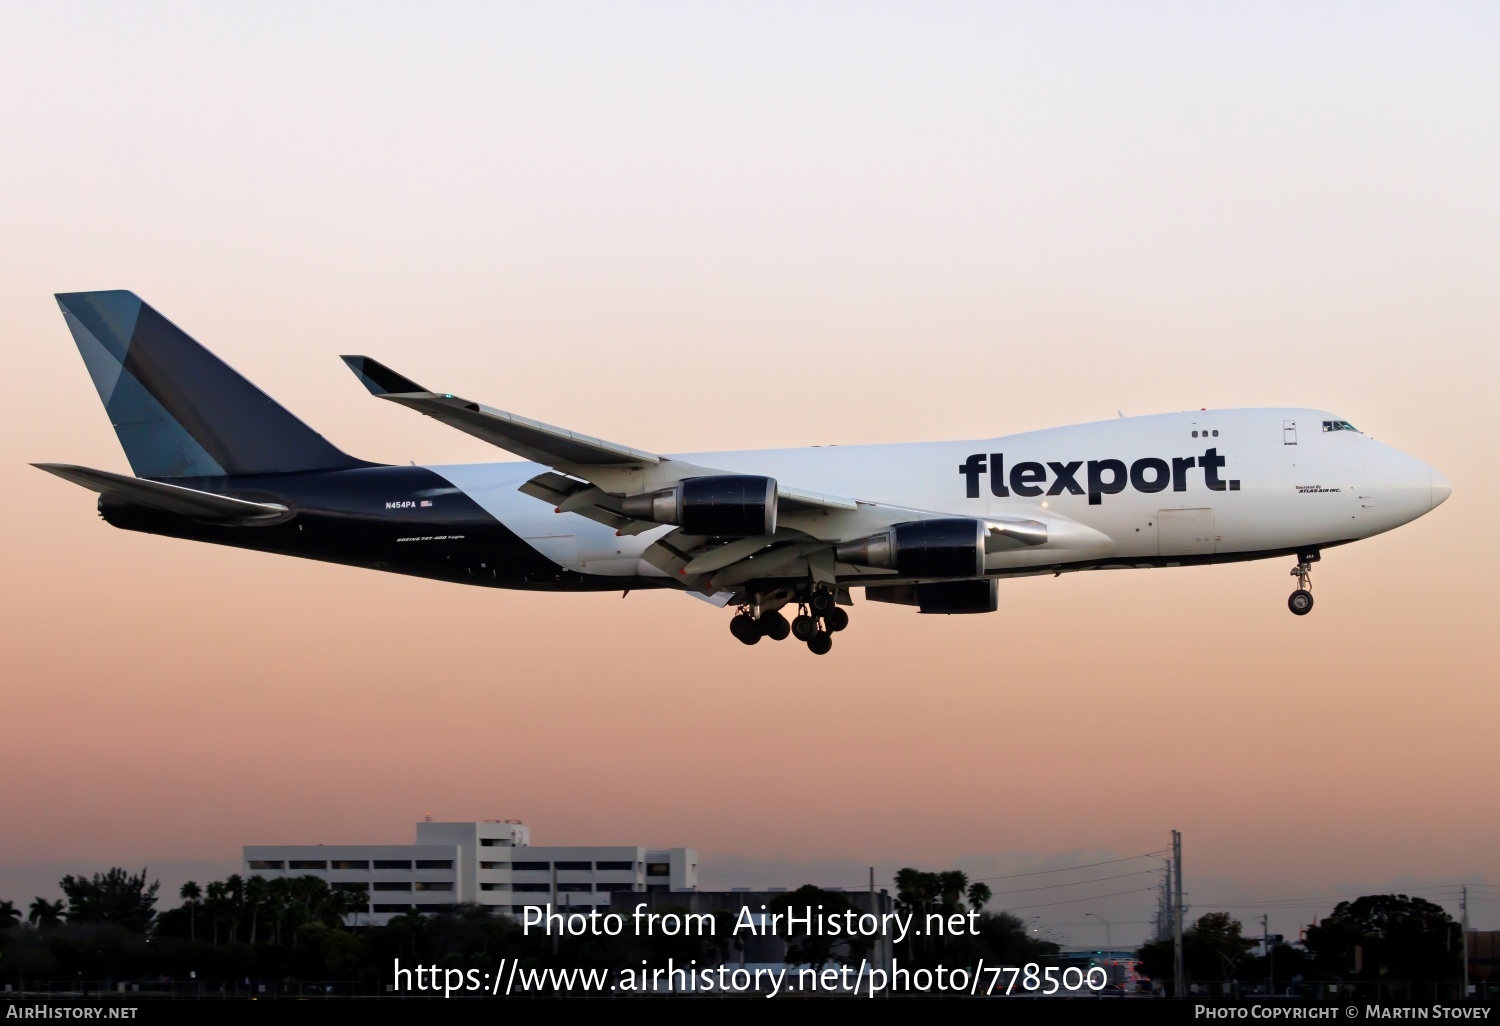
(239, 929)
(1377, 938)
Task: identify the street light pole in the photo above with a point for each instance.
(1108, 944)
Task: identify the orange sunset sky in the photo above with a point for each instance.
(689, 227)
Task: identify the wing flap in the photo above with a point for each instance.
(782, 561)
(570, 495)
(553, 488)
(731, 552)
(792, 500)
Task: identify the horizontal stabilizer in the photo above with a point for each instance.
(169, 497)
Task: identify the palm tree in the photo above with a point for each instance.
(342, 904)
(952, 885)
(215, 895)
(9, 914)
(45, 915)
(257, 894)
(279, 898)
(409, 925)
(191, 894)
(308, 895)
(234, 891)
(979, 895)
(917, 891)
(936, 893)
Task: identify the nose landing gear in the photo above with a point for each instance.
(1301, 600)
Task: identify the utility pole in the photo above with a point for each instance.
(1265, 943)
(1463, 906)
(1179, 983)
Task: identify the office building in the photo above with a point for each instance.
(490, 863)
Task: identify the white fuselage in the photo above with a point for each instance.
(1283, 483)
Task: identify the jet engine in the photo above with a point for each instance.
(722, 506)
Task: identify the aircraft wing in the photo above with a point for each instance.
(592, 477)
(527, 438)
(609, 467)
(160, 495)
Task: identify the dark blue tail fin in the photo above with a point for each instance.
(179, 410)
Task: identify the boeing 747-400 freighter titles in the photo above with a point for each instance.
(933, 525)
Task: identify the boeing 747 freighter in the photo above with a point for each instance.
(932, 525)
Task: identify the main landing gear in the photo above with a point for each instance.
(1301, 600)
(750, 629)
(818, 618)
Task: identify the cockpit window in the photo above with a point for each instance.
(1339, 425)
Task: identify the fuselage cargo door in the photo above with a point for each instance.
(1185, 532)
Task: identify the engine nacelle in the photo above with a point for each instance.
(978, 596)
(959, 596)
(923, 548)
(722, 506)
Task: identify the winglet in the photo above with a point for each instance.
(379, 378)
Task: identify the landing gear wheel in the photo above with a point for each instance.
(835, 619)
(744, 627)
(804, 627)
(775, 626)
(820, 643)
(821, 602)
(1301, 601)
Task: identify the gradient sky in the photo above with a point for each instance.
(688, 227)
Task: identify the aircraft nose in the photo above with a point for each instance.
(1441, 487)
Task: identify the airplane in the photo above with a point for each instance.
(930, 525)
